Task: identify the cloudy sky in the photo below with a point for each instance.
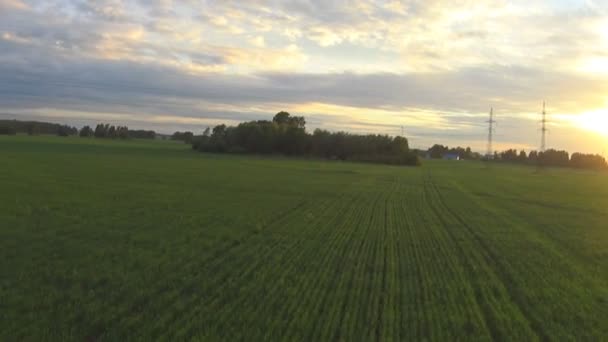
(432, 67)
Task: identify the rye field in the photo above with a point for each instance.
(148, 240)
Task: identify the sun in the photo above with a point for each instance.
(596, 121)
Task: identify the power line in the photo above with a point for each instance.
(543, 141)
(491, 122)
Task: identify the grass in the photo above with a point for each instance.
(147, 240)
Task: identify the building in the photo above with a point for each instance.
(451, 156)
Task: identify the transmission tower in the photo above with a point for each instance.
(491, 122)
(543, 141)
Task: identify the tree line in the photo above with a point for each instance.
(552, 157)
(116, 132)
(12, 127)
(438, 151)
(183, 136)
(287, 135)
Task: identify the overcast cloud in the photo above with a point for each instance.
(432, 67)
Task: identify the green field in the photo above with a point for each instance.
(122, 240)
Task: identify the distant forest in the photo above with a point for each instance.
(549, 158)
(12, 127)
(553, 157)
(120, 132)
(286, 134)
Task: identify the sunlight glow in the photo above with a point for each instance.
(596, 121)
(595, 65)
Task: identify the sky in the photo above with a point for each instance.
(431, 69)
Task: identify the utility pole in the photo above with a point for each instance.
(543, 141)
(402, 134)
(491, 122)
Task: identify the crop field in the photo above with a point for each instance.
(147, 240)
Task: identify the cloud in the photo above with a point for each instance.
(433, 66)
(258, 41)
(112, 10)
(13, 5)
(110, 84)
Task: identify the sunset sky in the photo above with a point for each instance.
(433, 67)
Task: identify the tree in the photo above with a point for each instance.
(218, 138)
(588, 161)
(509, 155)
(285, 119)
(437, 151)
(298, 122)
(32, 128)
(183, 136)
(468, 154)
(286, 134)
(7, 130)
(141, 134)
(400, 144)
(36, 127)
(111, 132)
(553, 157)
(522, 158)
(100, 131)
(64, 131)
(281, 118)
(86, 131)
(122, 132)
(533, 157)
